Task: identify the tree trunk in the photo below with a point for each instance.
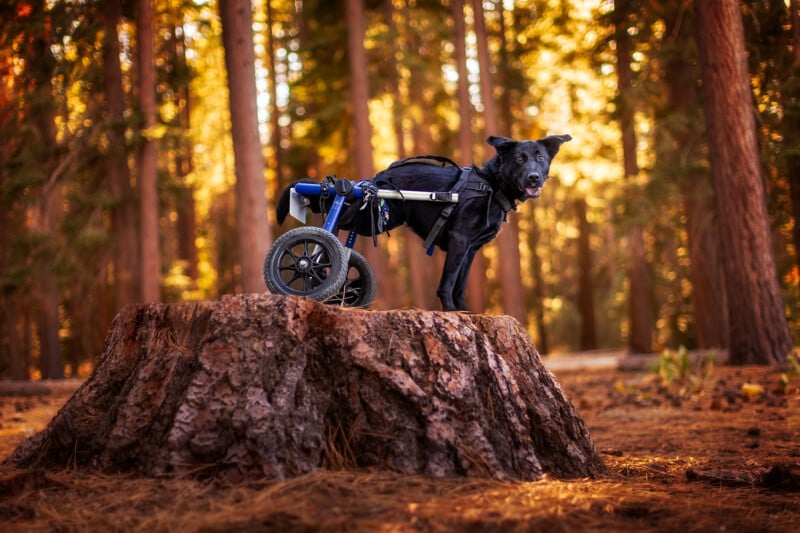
(41, 67)
(312, 155)
(537, 297)
(10, 303)
(362, 136)
(476, 283)
(399, 290)
(253, 232)
(413, 282)
(16, 365)
(640, 310)
(794, 7)
(759, 333)
(464, 106)
(227, 250)
(505, 69)
(148, 158)
(425, 271)
(51, 359)
(509, 273)
(394, 83)
(791, 134)
(359, 89)
(705, 270)
(27, 337)
(264, 386)
(185, 208)
(274, 114)
(123, 214)
(588, 340)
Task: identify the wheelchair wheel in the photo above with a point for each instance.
(359, 287)
(306, 261)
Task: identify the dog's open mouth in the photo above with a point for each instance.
(533, 192)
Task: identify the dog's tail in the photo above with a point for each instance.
(282, 209)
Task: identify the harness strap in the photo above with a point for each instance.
(438, 160)
(445, 213)
(504, 202)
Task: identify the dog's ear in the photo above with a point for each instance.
(553, 143)
(502, 144)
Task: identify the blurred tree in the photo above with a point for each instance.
(41, 65)
(123, 212)
(460, 58)
(178, 76)
(408, 251)
(361, 129)
(771, 58)
(679, 159)
(640, 311)
(476, 284)
(536, 299)
(14, 362)
(758, 330)
(791, 119)
(424, 90)
(588, 337)
(254, 235)
(148, 156)
(512, 294)
(359, 90)
(276, 135)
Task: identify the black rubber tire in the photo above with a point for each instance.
(306, 261)
(359, 287)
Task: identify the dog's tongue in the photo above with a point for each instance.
(533, 192)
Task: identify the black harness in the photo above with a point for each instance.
(469, 185)
(461, 184)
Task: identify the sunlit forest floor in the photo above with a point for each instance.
(711, 451)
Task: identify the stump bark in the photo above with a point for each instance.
(272, 386)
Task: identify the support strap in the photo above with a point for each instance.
(445, 213)
(506, 204)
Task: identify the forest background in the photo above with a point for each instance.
(118, 180)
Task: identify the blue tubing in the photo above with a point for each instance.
(333, 215)
(315, 189)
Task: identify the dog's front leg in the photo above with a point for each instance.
(460, 289)
(453, 263)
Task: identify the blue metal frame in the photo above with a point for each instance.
(341, 190)
(317, 189)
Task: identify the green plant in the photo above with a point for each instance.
(675, 368)
(792, 371)
(793, 362)
(672, 365)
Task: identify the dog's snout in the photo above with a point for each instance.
(535, 177)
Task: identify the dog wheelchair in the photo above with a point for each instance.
(311, 261)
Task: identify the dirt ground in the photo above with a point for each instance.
(709, 450)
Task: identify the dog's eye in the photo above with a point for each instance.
(520, 158)
(539, 157)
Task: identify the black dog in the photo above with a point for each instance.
(516, 173)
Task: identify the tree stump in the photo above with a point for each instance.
(272, 386)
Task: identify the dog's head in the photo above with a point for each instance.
(523, 166)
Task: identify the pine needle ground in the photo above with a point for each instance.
(719, 456)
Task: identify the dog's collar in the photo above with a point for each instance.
(504, 202)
